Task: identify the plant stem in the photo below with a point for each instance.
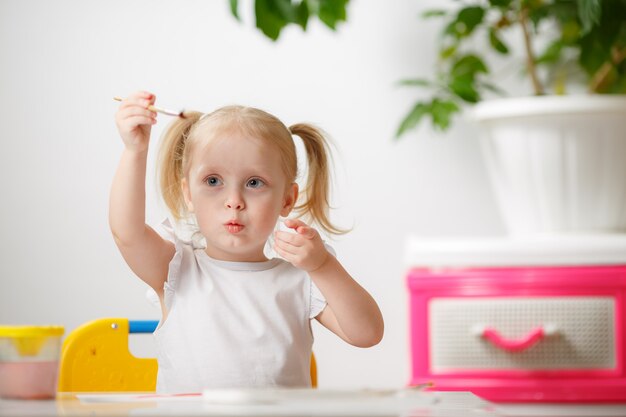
(530, 57)
(602, 73)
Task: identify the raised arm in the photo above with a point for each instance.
(351, 313)
(147, 254)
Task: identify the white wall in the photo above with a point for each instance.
(61, 63)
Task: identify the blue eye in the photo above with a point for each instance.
(255, 183)
(213, 181)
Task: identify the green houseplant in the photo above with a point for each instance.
(271, 16)
(563, 43)
(557, 161)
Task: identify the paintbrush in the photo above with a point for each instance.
(177, 113)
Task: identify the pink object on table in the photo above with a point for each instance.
(524, 343)
(28, 380)
(517, 359)
(29, 361)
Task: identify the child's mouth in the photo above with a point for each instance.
(234, 227)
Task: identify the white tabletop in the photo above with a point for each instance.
(272, 402)
(312, 403)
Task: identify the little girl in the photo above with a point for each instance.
(231, 317)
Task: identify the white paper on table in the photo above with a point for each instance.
(277, 402)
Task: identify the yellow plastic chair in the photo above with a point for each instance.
(95, 358)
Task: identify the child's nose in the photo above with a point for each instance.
(236, 206)
(235, 202)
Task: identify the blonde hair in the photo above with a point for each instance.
(184, 134)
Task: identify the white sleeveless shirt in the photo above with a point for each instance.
(234, 324)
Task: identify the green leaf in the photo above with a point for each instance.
(468, 65)
(447, 52)
(469, 18)
(442, 112)
(285, 9)
(497, 43)
(561, 11)
(570, 32)
(465, 22)
(302, 14)
(536, 4)
(234, 9)
(412, 119)
(269, 18)
(500, 3)
(434, 13)
(589, 13)
(593, 54)
(462, 77)
(464, 88)
(609, 33)
(537, 14)
(419, 82)
(596, 45)
(332, 11)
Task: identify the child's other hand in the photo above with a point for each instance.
(303, 249)
(134, 120)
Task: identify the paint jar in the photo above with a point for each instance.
(29, 361)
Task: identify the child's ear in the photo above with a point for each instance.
(186, 194)
(291, 196)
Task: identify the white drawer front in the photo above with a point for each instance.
(585, 336)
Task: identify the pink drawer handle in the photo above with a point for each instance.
(534, 336)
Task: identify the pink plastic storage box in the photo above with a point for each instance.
(537, 319)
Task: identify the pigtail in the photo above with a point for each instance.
(317, 189)
(170, 162)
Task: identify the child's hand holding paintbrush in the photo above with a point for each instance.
(135, 118)
(177, 113)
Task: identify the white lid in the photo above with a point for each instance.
(566, 250)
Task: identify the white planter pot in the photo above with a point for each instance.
(557, 163)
